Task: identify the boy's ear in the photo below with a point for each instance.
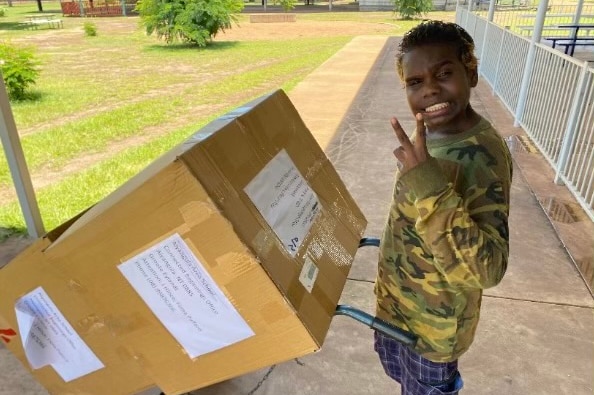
(473, 76)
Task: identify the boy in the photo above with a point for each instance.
(446, 238)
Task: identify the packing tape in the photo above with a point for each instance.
(89, 324)
(324, 241)
(123, 324)
(77, 287)
(235, 264)
(355, 223)
(300, 297)
(264, 240)
(314, 169)
(197, 212)
(273, 312)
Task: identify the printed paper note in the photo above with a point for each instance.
(48, 338)
(180, 292)
(285, 200)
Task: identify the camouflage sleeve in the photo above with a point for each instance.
(467, 232)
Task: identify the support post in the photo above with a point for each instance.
(18, 167)
(536, 36)
(490, 16)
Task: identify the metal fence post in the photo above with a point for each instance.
(18, 166)
(490, 16)
(536, 35)
(497, 68)
(570, 131)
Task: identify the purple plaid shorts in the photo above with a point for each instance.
(416, 375)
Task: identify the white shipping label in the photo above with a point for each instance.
(49, 339)
(285, 200)
(184, 297)
(308, 274)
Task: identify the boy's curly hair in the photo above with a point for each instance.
(438, 32)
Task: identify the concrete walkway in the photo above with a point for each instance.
(536, 334)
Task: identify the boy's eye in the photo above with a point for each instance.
(413, 82)
(444, 74)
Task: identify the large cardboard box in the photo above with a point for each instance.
(227, 254)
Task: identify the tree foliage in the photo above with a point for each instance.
(411, 8)
(193, 21)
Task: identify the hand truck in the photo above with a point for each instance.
(372, 322)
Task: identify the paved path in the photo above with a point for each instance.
(536, 334)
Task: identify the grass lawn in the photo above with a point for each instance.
(106, 106)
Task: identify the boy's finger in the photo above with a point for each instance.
(400, 134)
(421, 137)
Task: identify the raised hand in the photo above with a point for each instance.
(410, 154)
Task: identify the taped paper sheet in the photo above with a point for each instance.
(48, 338)
(180, 292)
(285, 200)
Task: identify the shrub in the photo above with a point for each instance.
(19, 70)
(90, 29)
(193, 21)
(288, 5)
(2, 12)
(411, 8)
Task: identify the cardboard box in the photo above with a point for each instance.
(227, 254)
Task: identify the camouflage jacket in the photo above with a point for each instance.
(446, 239)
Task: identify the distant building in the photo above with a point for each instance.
(388, 5)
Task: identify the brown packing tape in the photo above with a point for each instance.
(234, 264)
(273, 312)
(195, 213)
(181, 230)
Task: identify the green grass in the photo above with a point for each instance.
(128, 98)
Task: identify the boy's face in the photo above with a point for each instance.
(438, 86)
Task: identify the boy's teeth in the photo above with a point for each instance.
(436, 107)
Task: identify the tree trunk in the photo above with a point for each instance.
(39, 6)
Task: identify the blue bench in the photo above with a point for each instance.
(570, 43)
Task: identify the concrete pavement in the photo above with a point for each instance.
(536, 334)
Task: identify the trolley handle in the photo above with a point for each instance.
(369, 241)
(373, 322)
(378, 324)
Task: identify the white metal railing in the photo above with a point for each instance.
(520, 18)
(558, 114)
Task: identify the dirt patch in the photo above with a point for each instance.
(302, 28)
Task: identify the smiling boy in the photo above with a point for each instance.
(446, 237)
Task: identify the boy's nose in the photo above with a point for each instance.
(431, 88)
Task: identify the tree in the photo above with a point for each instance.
(411, 8)
(193, 21)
